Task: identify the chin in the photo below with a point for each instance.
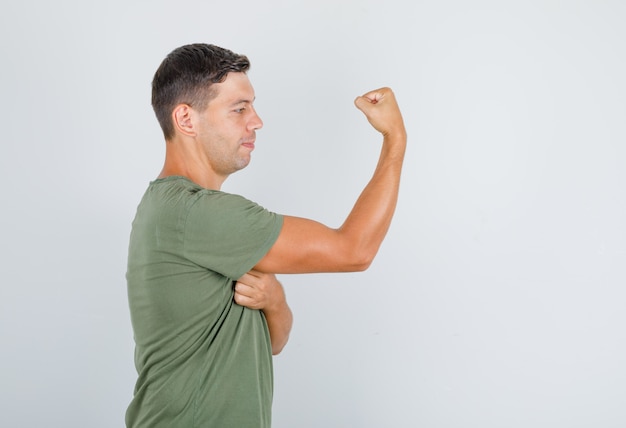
(241, 165)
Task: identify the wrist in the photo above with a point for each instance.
(276, 307)
(396, 135)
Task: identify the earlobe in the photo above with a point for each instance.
(182, 118)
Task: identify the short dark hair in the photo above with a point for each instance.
(185, 77)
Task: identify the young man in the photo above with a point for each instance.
(206, 309)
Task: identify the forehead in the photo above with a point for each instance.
(234, 89)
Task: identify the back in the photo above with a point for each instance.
(202, 360)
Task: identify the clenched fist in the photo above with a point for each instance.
(382, 111)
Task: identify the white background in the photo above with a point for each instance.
(497, 299)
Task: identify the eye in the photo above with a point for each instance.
(240, 110)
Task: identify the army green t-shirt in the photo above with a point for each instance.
(202, 360)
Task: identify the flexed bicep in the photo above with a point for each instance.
(307, 246)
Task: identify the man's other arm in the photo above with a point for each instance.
(262, 291)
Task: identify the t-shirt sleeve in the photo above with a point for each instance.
(229, 234)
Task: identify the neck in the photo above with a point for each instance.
(190, 164)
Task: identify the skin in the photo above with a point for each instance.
(210, 145)
(306, 246)
(258, 290)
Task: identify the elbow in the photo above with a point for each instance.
(362, 265)
(362, 260)
(356, 252)
(354, 266)
(277, 348)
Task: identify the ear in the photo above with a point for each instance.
(182, 119)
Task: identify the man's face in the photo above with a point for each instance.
(226, 129)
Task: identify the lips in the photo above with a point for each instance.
(248, 144)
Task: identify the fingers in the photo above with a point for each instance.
(248, 293)
(254, 280)
(372, 97)
(246, 296)
(256, 290)
(244, 290)
(381, 109)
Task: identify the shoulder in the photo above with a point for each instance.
(207, 199)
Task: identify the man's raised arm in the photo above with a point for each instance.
(305, 246)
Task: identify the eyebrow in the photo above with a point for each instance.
(242, 101)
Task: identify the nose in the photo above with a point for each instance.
(255, 121)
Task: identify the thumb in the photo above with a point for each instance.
(362, 103)
(369, 99)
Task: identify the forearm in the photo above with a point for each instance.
(279, 322)
(262, 291)
(368, 222)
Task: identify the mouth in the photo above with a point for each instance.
(248, 144)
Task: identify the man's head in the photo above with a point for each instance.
(186, 76)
